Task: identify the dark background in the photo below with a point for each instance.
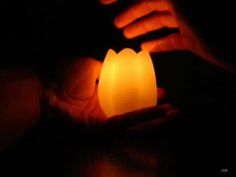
(42, 34)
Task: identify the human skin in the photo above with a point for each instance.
(20, 95)
(75, 94)
(145, 16)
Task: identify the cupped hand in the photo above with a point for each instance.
(145, 16)
(76, 92)
(76, 95)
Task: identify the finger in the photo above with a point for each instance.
(107, 2)
(171, 115)
(123, 122)
(83, 111)
(161, 93)
(148, 24)
(169, 43)
(138, 10)
(76, 111)
(166, 106)
(55, 102)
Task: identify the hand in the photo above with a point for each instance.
(146, 16)
(76, 95)
(20, 95)
(150, 15)
(76, 91)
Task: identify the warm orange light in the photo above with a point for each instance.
(127, 82)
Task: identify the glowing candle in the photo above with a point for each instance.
(127, 82)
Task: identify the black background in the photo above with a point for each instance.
(41, 34)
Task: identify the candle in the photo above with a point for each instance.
(127, 82)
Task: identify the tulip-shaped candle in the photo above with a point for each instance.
(127, 82)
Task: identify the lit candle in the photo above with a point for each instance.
(127, 82)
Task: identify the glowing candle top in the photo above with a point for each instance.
(127, 82)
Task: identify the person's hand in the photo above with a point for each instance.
(76, 95)
(20, 97)
(76, 92)
(145, 16)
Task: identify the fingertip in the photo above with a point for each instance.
(118, 23)
(128, 34)
(107, 2)
(147, 47)
(143, 47)
(161, 92)
(52, 99)
(167, 107)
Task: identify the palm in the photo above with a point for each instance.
(78, 94)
